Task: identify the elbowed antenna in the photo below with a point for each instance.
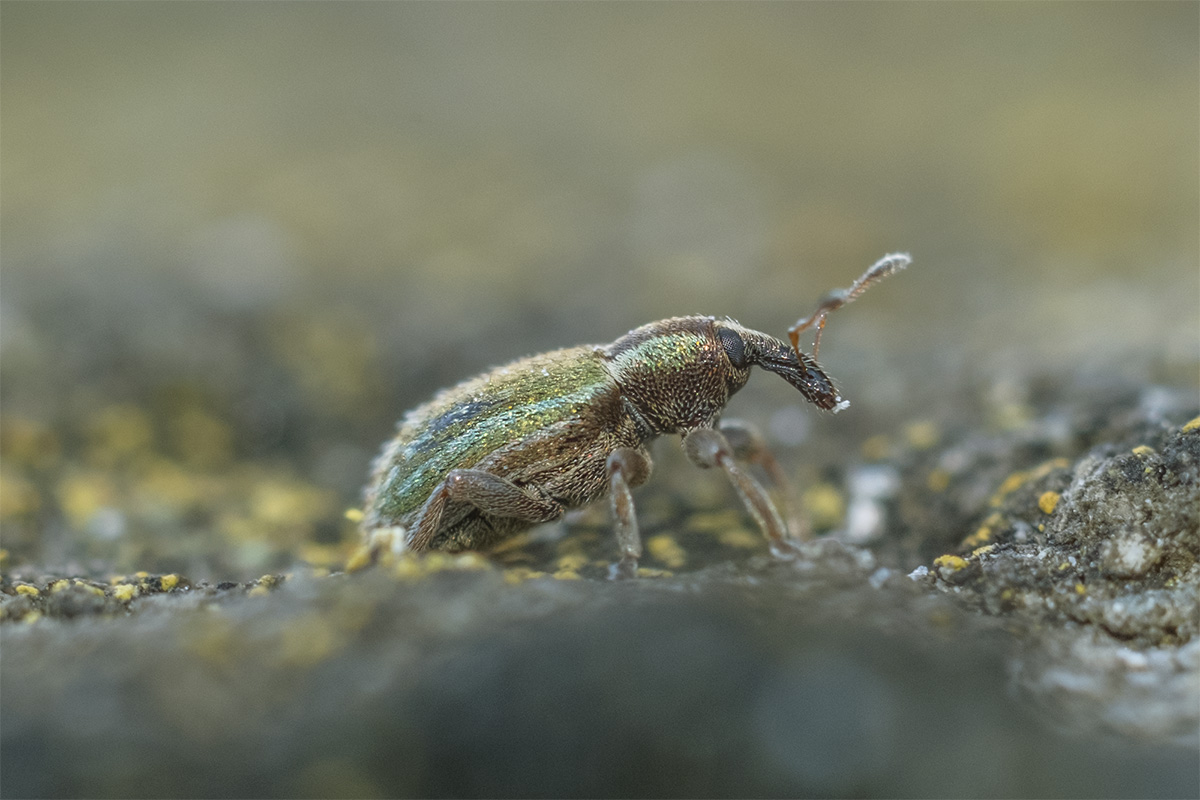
(833, 300)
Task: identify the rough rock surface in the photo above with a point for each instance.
(1044, 644)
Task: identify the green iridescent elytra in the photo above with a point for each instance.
(523, 443)
(460, 427)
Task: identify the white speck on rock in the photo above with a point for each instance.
(879, 577)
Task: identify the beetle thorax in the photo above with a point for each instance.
(674, 372)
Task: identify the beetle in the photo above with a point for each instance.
(523, 443)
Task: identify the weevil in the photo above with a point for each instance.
(523, 443)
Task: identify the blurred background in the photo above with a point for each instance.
(239, 240)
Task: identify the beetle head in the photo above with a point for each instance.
(679, 373)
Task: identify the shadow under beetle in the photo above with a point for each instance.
(525, 442)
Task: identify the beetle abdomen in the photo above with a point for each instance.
(502, 410)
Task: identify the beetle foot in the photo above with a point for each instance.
(785, 549)
(625, 569)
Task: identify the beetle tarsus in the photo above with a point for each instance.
(623, 570)
(785, 550)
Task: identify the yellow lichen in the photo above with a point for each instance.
(27, 589)
(1048, 502)
(169, 582)
(168, 483)
(80, 496)
(471, 561)
(825, 504)
(921, 435)
(437, 561)
(281, 502)
(323, 555)
(1046, 467)
(978, 551)
(571, 563)
(353, 514)
(715, 521)
(1012, 416)
(977, 538)
(359, 559)
(407, 567)
(258, 591)
(1143, 450)
(567, 575)
(1008, 486)
(740, 538)
(1080, 589)
(664, 548)
(1021, 477)
(125, 592)
(520, 574)
(986, 530)
(1191, 425)
(938, 480)
(876, 448)
(951, 562)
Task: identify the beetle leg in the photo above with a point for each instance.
(707, 447)
(491, 494)
(626, 468)
(750, 446)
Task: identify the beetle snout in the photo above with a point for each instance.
(803, 373)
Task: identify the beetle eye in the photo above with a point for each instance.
(735, 348)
